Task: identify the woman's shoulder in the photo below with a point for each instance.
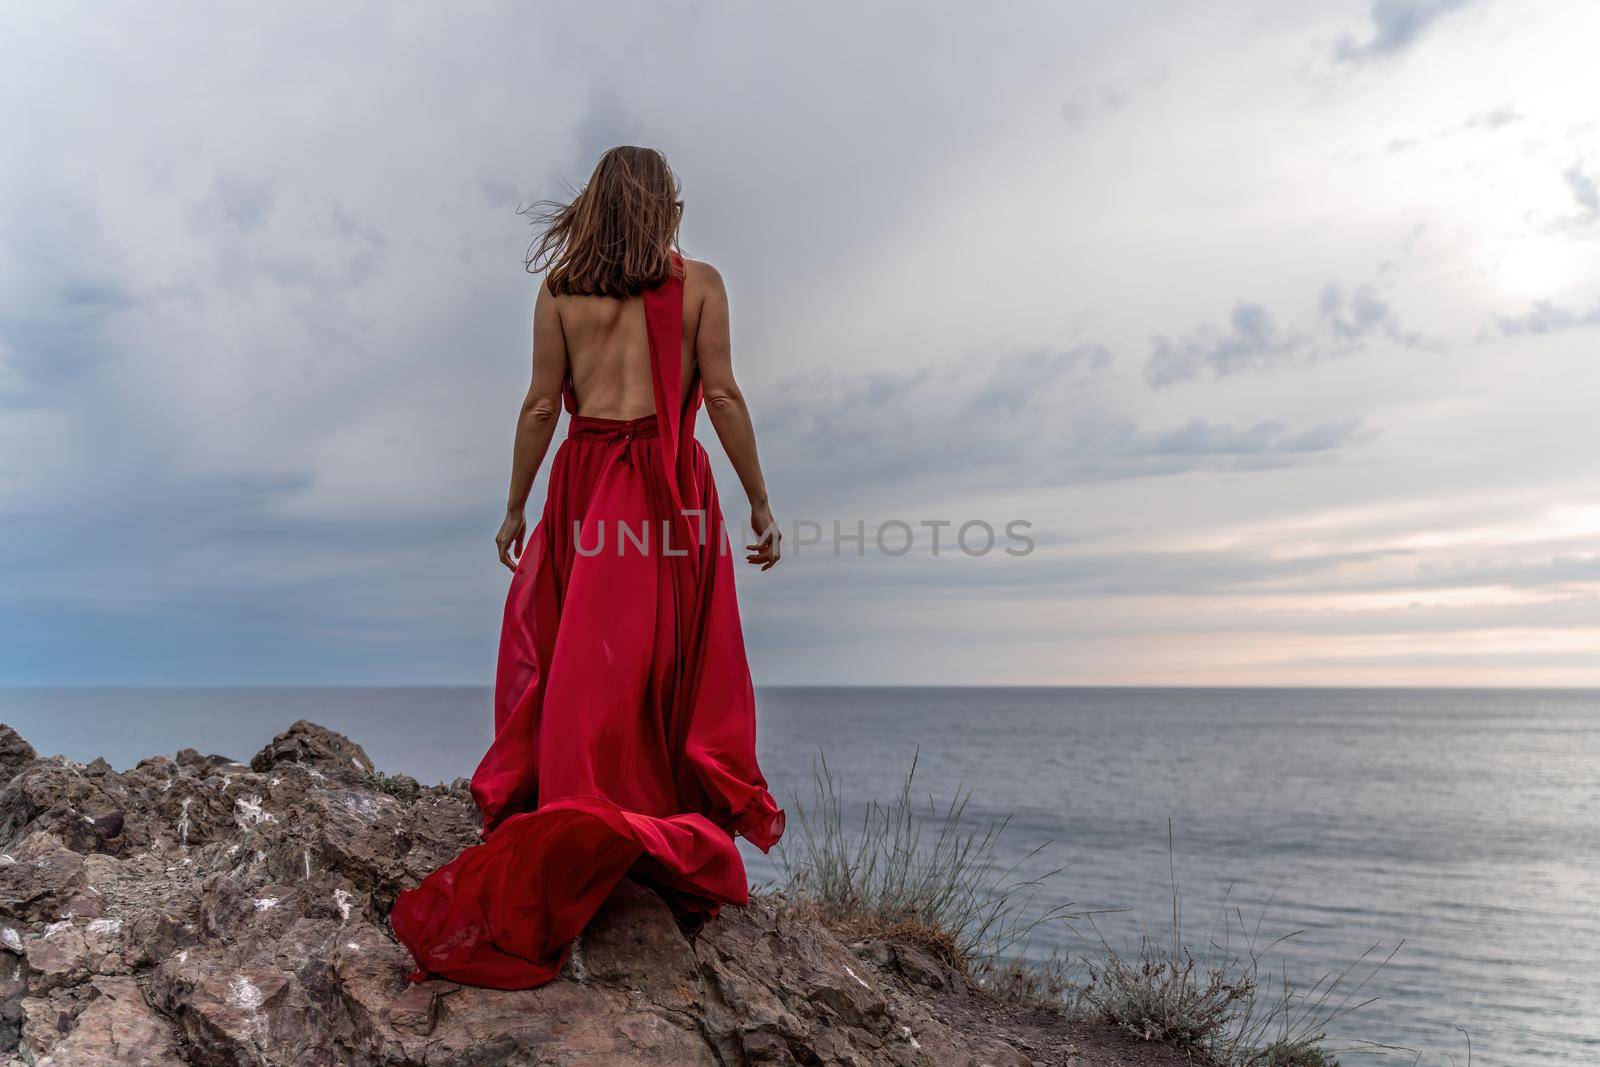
(699, 274)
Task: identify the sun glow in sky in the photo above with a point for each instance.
(1277, 322)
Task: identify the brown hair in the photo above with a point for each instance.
(615, 237)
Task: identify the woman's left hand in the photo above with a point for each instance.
(510, 537)
(764, 553)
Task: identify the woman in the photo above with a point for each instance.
(624, 713)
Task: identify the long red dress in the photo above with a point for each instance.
(624, 712)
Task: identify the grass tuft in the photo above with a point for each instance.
(924, 874)
(400, 786)
(1228, 1004)
(1302, 1053)
(1161, 997)
(913, 872)
(1046, 985)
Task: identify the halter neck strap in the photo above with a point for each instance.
(663, 313)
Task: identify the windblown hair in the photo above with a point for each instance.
(616, 236)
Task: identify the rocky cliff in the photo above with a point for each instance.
(196, 910)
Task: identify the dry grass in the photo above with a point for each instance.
(921, 874)
(1052, 985)
(1228, 1004)
(1161, 997)
(858, 925)
(912, 872)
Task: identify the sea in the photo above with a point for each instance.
(1440, 846)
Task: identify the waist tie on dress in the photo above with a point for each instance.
(586, 427)
(621, 431)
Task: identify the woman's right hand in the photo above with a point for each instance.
(764, 552)
(510, 536)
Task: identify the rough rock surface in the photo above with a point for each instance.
(201, 911)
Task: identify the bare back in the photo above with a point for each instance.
(608, 353)
(599, 346)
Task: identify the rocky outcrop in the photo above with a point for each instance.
(197, 910)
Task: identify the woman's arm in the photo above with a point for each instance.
(730, 417)
(536, 422)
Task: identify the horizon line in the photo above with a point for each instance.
(1175, 687)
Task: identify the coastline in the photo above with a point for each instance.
(200, 910)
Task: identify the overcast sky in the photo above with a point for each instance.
(1278, 322)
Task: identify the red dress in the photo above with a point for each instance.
(624, 712)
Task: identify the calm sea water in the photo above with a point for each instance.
(1464, 823)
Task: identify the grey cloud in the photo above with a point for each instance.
(1016, 383)
(355, 229)
(1102, 572)
(343, 256)
(1483, 122)
(1342, 323)
(1355, 316)
(1271, 438)
(1494, 119)
(1109, 574)
(1548, 317)
(1553, 572)
(1120, 449)
(1252, 338)
(1584, 191)
(1045, 417)
(1103, 99)
(1086, 573)
(61, 330)
(243, 203)
(605, 123)
(829, 396)
(1396, 26)
(1087, 101)
(499, 189)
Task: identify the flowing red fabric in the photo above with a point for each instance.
(624, 711)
